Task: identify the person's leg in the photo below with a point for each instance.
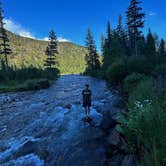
(88, 111)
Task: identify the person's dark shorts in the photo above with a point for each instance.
(87, 104)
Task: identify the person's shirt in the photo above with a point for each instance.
(86, 95)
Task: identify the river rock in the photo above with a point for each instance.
(114, 161)
(107, 122)
(27, 160)
(129, 160)
(96, 118)
(115, 139)
(35, 106)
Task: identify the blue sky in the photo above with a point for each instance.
(71, 18)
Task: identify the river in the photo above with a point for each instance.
(46, 127)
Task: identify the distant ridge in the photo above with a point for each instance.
(27, 51)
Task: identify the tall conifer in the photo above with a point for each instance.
(135, 22)
(5, 50)
(92, 58)
(51, 51)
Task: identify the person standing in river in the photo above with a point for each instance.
(87, 100)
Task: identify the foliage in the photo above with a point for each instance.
(139, 65)
(135, 22)
(150, 48)
(91, 58)
(5, 50)
(116, 73)
(24, 79)
(161, 50)
(131, 81)
(145, 125)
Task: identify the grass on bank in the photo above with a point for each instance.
(24, 79)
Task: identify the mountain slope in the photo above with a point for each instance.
(28, 52)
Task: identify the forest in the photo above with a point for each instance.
(135, 64)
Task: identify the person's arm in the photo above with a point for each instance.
(91, 95)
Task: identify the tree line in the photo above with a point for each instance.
(123, 43)
(135, 64)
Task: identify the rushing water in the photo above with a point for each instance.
(46, 127)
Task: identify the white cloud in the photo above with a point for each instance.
(45, 39)
(152, 14)
(61, 39)
(17, 29)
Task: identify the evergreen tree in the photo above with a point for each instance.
(161, 50)
(150, 48)
(51, 51)
(107, 48)
(92, 58)
(109, 33)
(102, 42)
(141, 46)
(121, 33)
(135, 21)
(119, 29)
(5, 50)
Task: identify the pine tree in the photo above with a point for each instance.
(107, 48)
(119, 29)
(161, 50)
(135, 22)
(109, 33)
(102, 42)
(121, 33)
(5, 50)
(150, 48)
(51, 51)
(92, 58)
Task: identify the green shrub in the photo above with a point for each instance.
(25, 78)
(116, 73)
(145, 125)
(131, 81)
(143, 91)
(98, 73)
(160, 69)
(139, 65)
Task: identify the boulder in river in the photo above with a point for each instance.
(115, 139)
(129, 160)
(107, 122)
(114, 160)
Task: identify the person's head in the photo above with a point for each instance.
(86, 86)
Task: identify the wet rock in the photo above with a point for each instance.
(110, 151)
(96, 118)
(119, 103)
(17, 147)
(128, 160)
(2, 147)
(107, 122)
(98, 104)
(68, 106)
(38, 106)
(114, 161)
(27, 160)
(115, 139)
(27, 148)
